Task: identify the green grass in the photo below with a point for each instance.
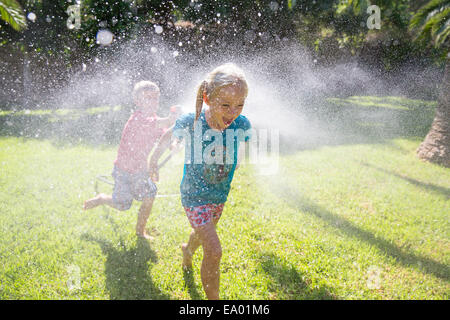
(359, 220)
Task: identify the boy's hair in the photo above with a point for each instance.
(221, 76)
(144, 85)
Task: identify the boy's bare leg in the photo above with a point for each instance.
(98, 200)
(144, 213)
(212, 253)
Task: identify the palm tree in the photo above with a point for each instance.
(432, 22)
(11, 12)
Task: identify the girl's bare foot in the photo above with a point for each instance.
(187, 256)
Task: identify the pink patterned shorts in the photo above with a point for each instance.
(201, 215)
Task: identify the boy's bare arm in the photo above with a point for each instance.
(175, 111)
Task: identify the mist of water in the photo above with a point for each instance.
(286, 85)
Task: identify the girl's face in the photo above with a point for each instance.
(225, 105)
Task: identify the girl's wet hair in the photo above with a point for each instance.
(221, 76)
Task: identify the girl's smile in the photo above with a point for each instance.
(225, 105)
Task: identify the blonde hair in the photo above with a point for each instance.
(221, 76)
(144, 85)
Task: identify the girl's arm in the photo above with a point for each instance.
(162, 145)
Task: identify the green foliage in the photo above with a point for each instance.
(395, 14)
(357, 6)
(432, 22)
(12, 13)
(117, 16)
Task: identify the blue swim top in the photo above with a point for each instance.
(210, 158)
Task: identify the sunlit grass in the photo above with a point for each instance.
(58, 112)
(389, 102)
(348, 221)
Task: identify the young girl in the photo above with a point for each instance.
(205, 185)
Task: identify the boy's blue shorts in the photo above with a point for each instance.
(129, 186)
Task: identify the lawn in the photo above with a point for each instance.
(359, 217)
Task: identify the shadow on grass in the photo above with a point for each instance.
(425, 186)
(127, 270)
(189, 282)
(288, 283)
(426, 265)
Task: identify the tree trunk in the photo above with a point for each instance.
(436, 146)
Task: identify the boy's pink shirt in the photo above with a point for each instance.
(138, 138)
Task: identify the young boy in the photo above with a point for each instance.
(131, 174)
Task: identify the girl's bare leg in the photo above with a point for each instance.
(189, 248)
(144, 213)
(212, 253)
(98, 200)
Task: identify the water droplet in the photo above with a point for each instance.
(175, 53)
(158, 29)
(153, 50)
(273, 6)
(104, 37)
(31, 16)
